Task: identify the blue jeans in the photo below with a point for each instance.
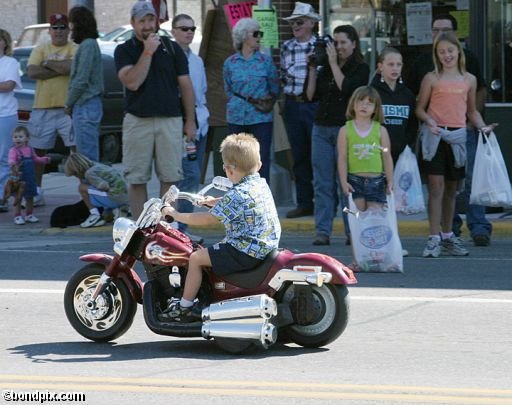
(191, 178)
(298, 120)
(475, 214)
(324, 156)
(263, 133)
(86, 127)
(7, 125)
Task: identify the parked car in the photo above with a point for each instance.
(33, 35)
(125, 32)
(113, 103)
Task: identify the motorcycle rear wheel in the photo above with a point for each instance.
(115, 308)
(331, 313)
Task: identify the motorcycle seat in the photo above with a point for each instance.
(252, 278)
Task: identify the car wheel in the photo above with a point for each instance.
(110, 148)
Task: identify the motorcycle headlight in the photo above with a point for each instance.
(122, 232)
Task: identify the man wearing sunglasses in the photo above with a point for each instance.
(298, 114)
(183, 30)
(50, 65)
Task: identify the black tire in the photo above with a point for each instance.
(115, 310)
(331, 303)
(110, 148)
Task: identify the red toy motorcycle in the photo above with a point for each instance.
(303, 297)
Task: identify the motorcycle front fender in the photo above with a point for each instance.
(341, 274)
(117, 269)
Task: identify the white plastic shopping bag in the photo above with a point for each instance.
(407, 186)
(491, 184)
(375, 240)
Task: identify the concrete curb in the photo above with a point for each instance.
(409, 228)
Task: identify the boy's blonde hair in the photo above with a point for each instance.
(77, 164)
(452, 39)
(360, 94)
(242, 151)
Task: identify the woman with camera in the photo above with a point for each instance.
(251, 83)
(336, 68)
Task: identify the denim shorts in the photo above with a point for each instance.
(372, 189)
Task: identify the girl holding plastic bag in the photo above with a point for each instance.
(364, 159)
(447, 97)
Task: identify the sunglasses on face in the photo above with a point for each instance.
(186, 29)
(297, 22)
(257, 34)
(59, 27)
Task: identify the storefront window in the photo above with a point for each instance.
(499, 46)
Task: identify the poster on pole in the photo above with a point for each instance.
(419, 21)
(267, 19)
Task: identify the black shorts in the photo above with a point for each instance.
(443, 164)
(226, 259)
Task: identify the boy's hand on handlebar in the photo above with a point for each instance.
(208, 201)
(169, 211)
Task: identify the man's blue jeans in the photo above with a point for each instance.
(475, 214)
(191, 177)
(298, 120)
(86, 127)
(263, 133)
(325, 179)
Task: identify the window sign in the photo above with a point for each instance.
(419, 21)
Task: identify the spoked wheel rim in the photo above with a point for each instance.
(104, 313)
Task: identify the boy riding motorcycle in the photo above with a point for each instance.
(249, 215)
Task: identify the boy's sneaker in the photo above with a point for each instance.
(176, 313)
(31, 218)
(433, 249)
(19, 220)
(93, 220)
(454, 246)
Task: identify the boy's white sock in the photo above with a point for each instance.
(94, 211)
(186, 303)
(446, 235)
(436, 237)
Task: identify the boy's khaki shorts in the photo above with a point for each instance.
(145, 139)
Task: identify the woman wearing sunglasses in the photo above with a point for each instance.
(251, 83)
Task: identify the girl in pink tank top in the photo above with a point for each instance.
(446, 100)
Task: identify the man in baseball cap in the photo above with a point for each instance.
(58, 19)
(141, 9)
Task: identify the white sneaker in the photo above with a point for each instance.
(93, 221)
(31, 218)
(19, 220)
(405, 253)
(433, 248)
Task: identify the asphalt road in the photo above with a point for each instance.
(439, 333)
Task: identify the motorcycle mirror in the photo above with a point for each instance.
(222, 183)
(171, 195)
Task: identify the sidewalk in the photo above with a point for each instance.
(61, 190)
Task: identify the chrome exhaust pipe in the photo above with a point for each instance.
(255, 329)
(261, 306)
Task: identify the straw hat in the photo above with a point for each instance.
(303, 10)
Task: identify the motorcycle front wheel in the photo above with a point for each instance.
(111, 315)
(330, 316)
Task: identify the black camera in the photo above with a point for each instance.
(319, 56)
